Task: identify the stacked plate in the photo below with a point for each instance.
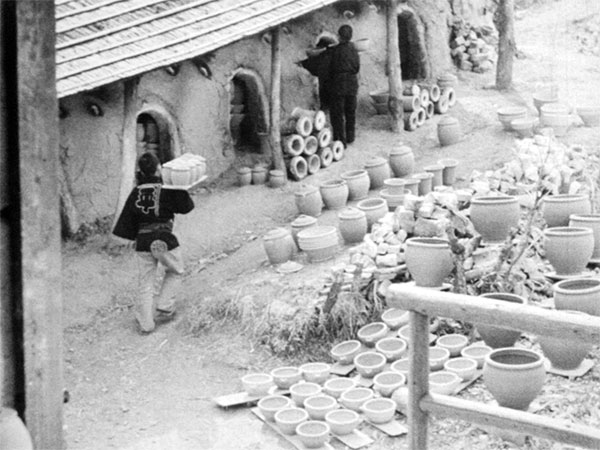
(319, 242)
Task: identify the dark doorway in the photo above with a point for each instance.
(412, 50)
(247, 115)
(153, 135)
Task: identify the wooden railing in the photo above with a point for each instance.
(423, 303)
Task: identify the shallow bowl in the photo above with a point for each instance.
(387, 382)
(392, 348)
(454, 343)
(288, 419)
(355, 397)
(336, 386)
(257, 383)
(345, 351)
(319, 405)
(465, 368)
(342, 421)
(443, 382)
(379, 410)
(437, 357)
(315, 372)
(284, 377)
(302, 390)
(369, 364)
(478, 352)
(270, 404)
(313, 433)
(371, 333)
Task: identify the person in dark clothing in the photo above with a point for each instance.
(147, 218)
(343, 77)
(318, 65)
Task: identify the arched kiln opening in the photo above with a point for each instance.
(412, 46)
(153, 135)
(248, 111)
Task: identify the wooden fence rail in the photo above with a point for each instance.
(423, 303)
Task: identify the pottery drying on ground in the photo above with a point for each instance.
(591, 221)
(556, 209)
(437, 171)
(402, 161)
(579, 294)
(378, 169)
(334, 193)
(358, 184)
(493, 217)
(309, 201)
(568, 249)
(374, 208)
(428, 260)
(279, 245)
(353, 225)
(448, 131)
(495, 336)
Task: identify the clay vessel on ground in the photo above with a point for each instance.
(335, 193)
(565, 354)
(556, 209)
(309, 201)
(300, 223)
(259, 175)
(319, 242)
(425, 182)
(449, 171)
(509, 113)
(402, 161)
(374, 208)
(428, 260)
(412, 185)
(279, 245)
(244, 175)
(358, 183)
(493, 217)
(591, 221)
(352, 225)
(276, 178)
(437, 171)
(448, 131)
(497, 337)
(579, 294)
(568, 249)
(590, 115)
(378, 169)
(393, 200)
(395, 185)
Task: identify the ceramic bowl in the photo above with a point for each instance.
(284, 377)
(437, 357)
(302, 390)
(404, 333)
(392, 348)
(369, 364)
(345, 351)
(387, 382)
(454, 343)
(313, 433)
(336, 386)
(355, 397)
(401, 366)
(371, 333)
(379, 410)
(465, 368)
(342, 421)
(288, 419)
(270, 404)
(257, 383)
(316, 372)
(319, 405)
(478, 352)
(443, 382)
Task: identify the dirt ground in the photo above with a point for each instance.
(155, 392)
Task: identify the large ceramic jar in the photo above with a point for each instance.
(402, 161)
(565, 354)
(358, 184)
(276, 178)
(568, 249)
(13, 433)
(591, 221)
(259, 175)
(494, 336)
(352, 225)
(514, 376)
(374, 208)
(579, 294)
(437, 171)
(449, 171)
(244, 175)
(309, 201)
(279, 245)
(335, 193)
(378, 170)
(556, 209)
(181, 174)
(493, 217)
(300, 223)
(428, 260)
(448, 131)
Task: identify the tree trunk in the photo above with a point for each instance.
(504, 19)
(275, 133)
(394, 70)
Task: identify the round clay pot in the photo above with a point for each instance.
(509, 113)
(371, 333)
(344, 352)
(244, 175)
(387, 382)
(514, 376)
(425, 182)
(380, 96)
(494, 336)
(448, 131)
(370, 363)
(449, 170)
(556, 209)
(335, 193)
(298, 168)
(374, 208)
(342, 421)
(437, 171)
(412, 185)
(563, 353)
(493, 217)
(378, 170)
(276, 178)
(591, 221)
(353, 225)
(13, 433)
(279, 245)
(568, 249)
(309, 201)
(288, 419)
(358, 184)
(259, 175)
(270, 404)
(393, 200)
(300, 223)
(428, 260)
(579, 294)
(402, 161)
(313, 433)
(395, 185)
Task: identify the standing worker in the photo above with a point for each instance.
(147, 218)
(318, 65)
(344, 67)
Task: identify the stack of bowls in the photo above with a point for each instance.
(319, 242)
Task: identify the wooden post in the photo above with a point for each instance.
(418, 380)
(394, 71)
(39, 189)
(504, 19)
(275, 133)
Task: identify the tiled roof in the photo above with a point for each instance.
(102, 41)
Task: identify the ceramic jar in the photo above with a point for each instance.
(276, 178)
(425, 182)
(309, 201)
(244, 175)
(259, 175)
(437, 171)
(448, 131)
(449, 170)
(395, 185)
(494, 336)
(335, 193)
(352, 225)
(300, 223)
(428, 260)
(181, 174)
(402, 161)
(591, 221)
(514, 376)
(358, 184)
(568, 249)
(374, 208)
(563, 353)
(578, 294)
(279, 245)
(556, 209)
(509, 113)
(378, 170)
(493, 217)
(13, 433)
(412, 185)
(319, 242)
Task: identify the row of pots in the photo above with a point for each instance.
(260, 175)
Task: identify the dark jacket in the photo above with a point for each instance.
(318, 66)
(344, 67)
(149, 212)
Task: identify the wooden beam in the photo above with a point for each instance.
(418, 380)
(527, 318)
(394, 70)
(275, 130)
(514, 420)
(40, 222)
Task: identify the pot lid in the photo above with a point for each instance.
(375, 161)
(306, 189)
(276, 233)
(351, 213)
(401, 150)
(447, 120)
(304, 220)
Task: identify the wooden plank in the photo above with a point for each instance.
(418, 380)
(394, 70)
(275, 133)
(40, 223)
(526, 318)
(511, 419)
